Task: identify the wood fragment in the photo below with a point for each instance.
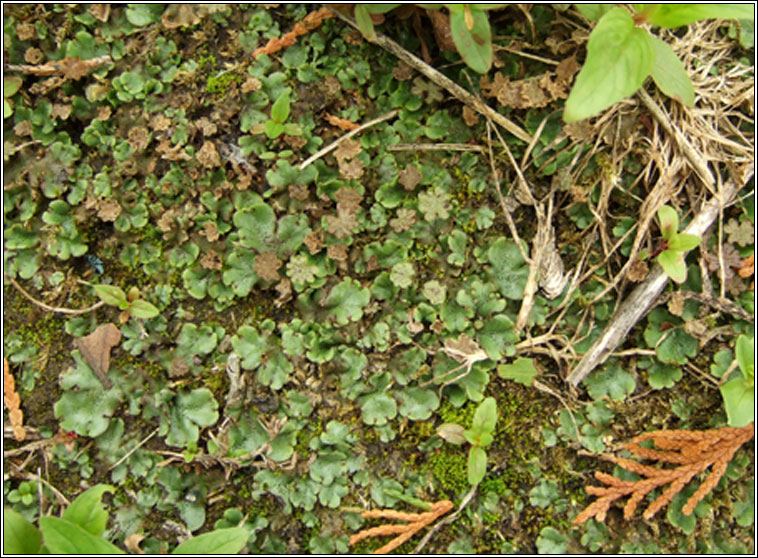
(642, 299)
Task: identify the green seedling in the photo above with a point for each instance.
(480, 436)
(80, 531)
(674, 245)
(469, 26)
(621, 55)
(130, 303)
(739, 391)
(11, 85)
(277, 125)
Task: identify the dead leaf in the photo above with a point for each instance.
(187, 15)
(96, 349)
(676, 303)
(343, 224)
(267, 265)
(132, 543)
(748, 267)
(637, 271)
(351, 170)
(341, 123)
(409, 177)
(208, 155)
(348, 199)
(441, 27)
(108, 210)
(100, 12)
(464, 349)
(348, 149)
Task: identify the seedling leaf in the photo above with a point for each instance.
(673, 264)
(87, 510)
(676, 15)
(220, 541)
(19, 536)
(669, 74)
(477, 465)
(64, 537)
(619, 58)
(474, 44)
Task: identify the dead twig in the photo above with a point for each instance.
(332, 146)
(44, 306)
(441, 80)
(639, 302)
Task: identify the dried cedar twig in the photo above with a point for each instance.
(693, 451)
(416, 522)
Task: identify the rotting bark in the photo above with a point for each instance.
(641, 300)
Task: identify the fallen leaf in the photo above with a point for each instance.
(747, 267)
(341, 123)
(187, 15)
(96, 349)
(132, 543)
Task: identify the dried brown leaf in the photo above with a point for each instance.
(96, 347)
(267, 266)
(341, 123)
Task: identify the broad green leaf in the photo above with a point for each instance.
(552, 541)
(475, 45)
(220, 541)
(364, 22)
(619, 58)
(417, 403)
(378, 408)
(346, 301)
(673, 264)
(663, 375)
(477, 465)
(684, 242)
(64, 537)
(676, 15)
(280, 110)
(87, 510)
(112, 295)
(140, 15)
(611, 380)
(11, 85)
(738, 394)
(498, 336)
(273, 129)
(189, 412)
(85, 407)
(19, 536)
(745, 356)
(485, 416)
(143, 310)
(522, 370)
(250, 346)
(670, 76)
(508, 270)
(677, 347)
(593, 12)
(256, 226)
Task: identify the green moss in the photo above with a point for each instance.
(450, 470)
(220, 83)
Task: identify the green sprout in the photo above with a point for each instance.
(130, 303)
(674, 245)
(480, 436)
(739, 391)
(277, 125)
(621, 56)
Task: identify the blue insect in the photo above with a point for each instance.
(95, 263)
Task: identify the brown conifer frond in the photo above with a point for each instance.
(693, 451)
(13, 402)
(416, 522)
(309, 23)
